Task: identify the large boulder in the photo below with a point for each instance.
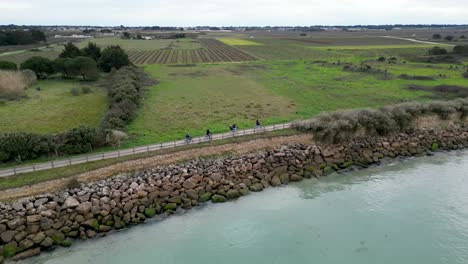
(70, 202)
(218, 198)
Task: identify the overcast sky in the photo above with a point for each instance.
(232, 12)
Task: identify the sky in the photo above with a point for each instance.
(232, 12)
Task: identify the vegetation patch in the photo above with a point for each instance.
(442, 90)
(238, 42)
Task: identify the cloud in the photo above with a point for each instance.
(231, 12)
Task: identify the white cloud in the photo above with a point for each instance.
(231, 12)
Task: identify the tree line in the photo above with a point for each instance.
(21, 37)
(85, 63)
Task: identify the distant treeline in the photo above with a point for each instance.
(21, 37)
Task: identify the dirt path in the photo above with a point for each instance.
(163, 159)
(419, 41)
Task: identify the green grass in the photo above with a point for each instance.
(193, 99)
(20, 56)
(238, 42)
(53, 109)
(370, 47)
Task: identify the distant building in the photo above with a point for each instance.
(72, 36)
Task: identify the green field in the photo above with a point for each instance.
(53, 109)
(297, 78)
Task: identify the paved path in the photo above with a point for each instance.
(132, 151)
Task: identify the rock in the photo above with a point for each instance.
(47, 242)
(284, 178)
(244, 191)
(205, 197)
(13, 224)
(170, 206)
(275, 181)
(25, 244)
(218, 198)
(232, 194)
(91, 223)
(56, 236)
(70, 202)
(39, 237)
(27, 254)
(104, 228)
(150, 212)
(192, 194)
(296, 178)
(90, 233)
(67, 242)
(10, 249)
(134, 185)
(3, 228)
(7, 236)
(216, 176)
(188, 184)
(33, 218)
(84, 208)
(256, 187)
(18, 206)
(40, 202)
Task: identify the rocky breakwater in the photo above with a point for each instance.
(39, 223)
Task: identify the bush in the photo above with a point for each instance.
(8, 65)
(86, 89)
(23, 146)
(465, 75)
(78, 140)
(460, 49)
(74, 91)
(437, 51)
(340, 126)
(113, 57)
(41, 66)
(449, 38)
(381, 59)
(92, 51)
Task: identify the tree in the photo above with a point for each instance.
(8, 65)
(436, 36)
(113, 57)
(41, 66)
(86, 67)
(437, 51)
(460, 49)
(70, 51)
(449, 38)
(92, 51)
(462, 37)
(38, 35)
(126, 35)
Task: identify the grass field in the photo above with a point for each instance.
(20, 56)
(53, 109)
(238, 42)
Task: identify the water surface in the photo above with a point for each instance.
(414, 211)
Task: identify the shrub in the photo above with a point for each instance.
(86, 89)
(41, 66)
(8, 65)
(381, 59)
(436, 36)
(437, 51)
(449, 38)
(73, 183)
(29, 77)
(78, 140)
(465, 75)
(113, 57)
(340, 126)
(23, 146)
(74, 91)
(460, 49)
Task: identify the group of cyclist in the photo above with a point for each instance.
(209, 136)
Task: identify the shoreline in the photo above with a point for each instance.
(48, 220)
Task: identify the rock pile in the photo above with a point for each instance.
(37, 223)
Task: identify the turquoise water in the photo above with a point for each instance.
(414, 211)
